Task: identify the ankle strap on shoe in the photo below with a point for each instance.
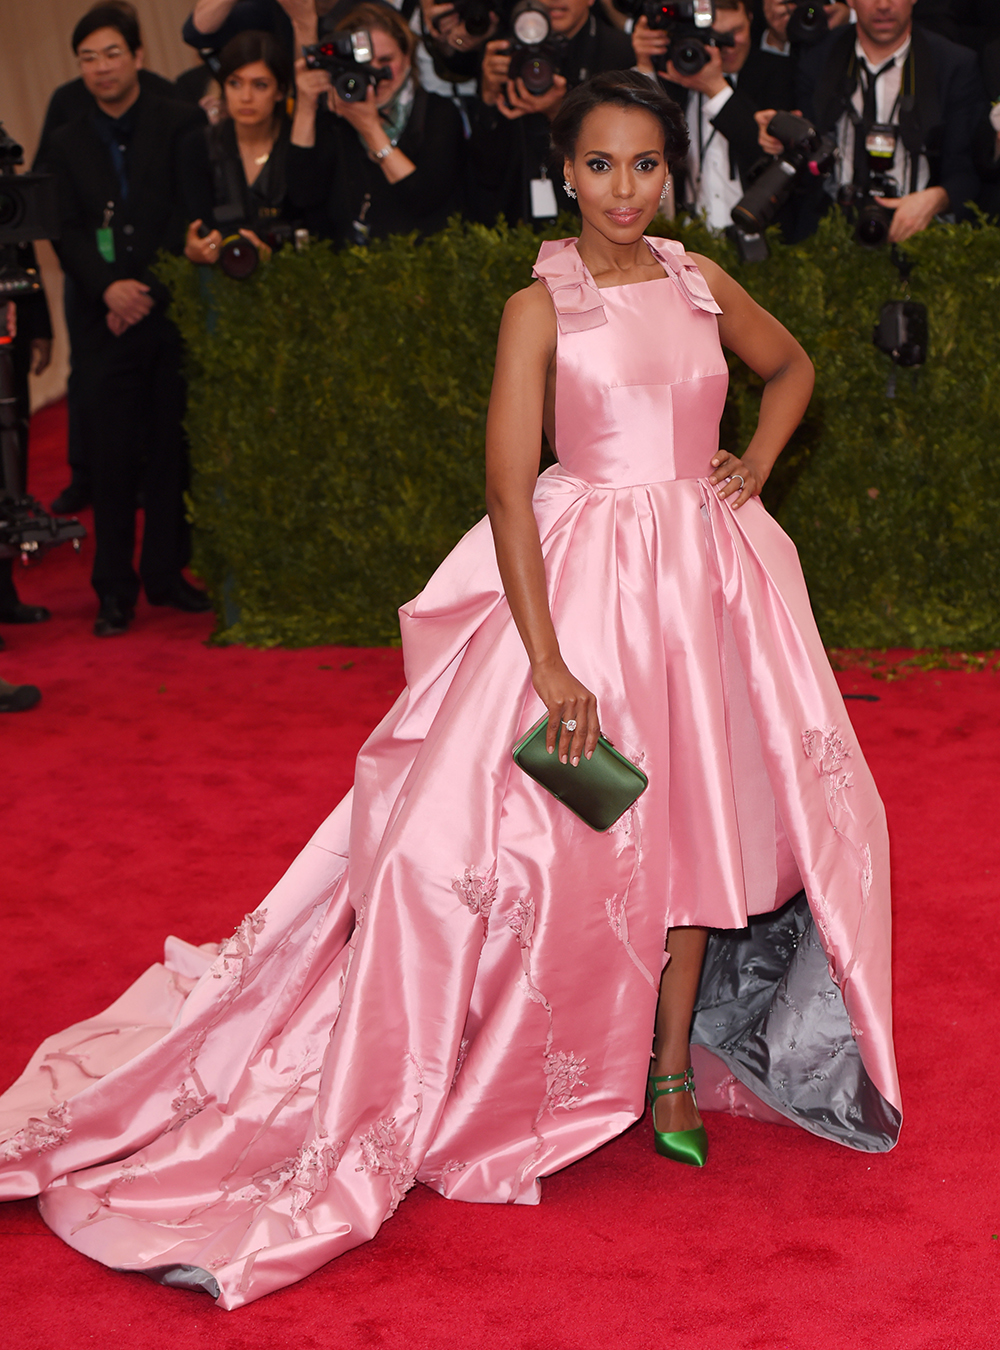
(655, 1093)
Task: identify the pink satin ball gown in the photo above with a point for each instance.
(455, 982)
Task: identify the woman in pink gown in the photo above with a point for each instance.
(457, 981)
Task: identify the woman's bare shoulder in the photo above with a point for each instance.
(531, 306)
(529, 318)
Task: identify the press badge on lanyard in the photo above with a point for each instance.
(543, 199)
(106, 236)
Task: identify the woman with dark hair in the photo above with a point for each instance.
(233, 173)
(459, 979)
(389, 163)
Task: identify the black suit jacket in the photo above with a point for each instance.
(506, 155)
(948, 106)
(72, 101)
(766, 81)
(151, 219)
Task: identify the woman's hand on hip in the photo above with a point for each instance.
(572, 710)
(734, 479)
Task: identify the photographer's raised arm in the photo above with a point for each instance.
(311, 87)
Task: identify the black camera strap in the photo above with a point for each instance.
(900, 116)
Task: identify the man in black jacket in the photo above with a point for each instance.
(116, 168)
(719, 103)
(69, 103)
(900, 96)
(509, 145)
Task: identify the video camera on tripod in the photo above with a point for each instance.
(690, 25)
(28, 211)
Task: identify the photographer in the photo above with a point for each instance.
(719, 102)
(774, 39)
(389, 163)
(117, 174)
(233, 173)
(902, 96)
(509, 146)
(452, 37)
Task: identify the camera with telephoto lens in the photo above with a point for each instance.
(239, 256)
(805, 155)
(807, 23)
(29, 210)
(872, 220)
(536, 53)
(689, 23)
(350, 60)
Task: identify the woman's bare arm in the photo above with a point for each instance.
(769, 349)
(525, 356)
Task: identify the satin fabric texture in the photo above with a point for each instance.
(455, 982)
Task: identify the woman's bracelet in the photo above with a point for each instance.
(378, 155)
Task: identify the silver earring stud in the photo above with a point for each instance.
(569, 189)
(667, 185)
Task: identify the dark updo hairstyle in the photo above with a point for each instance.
(621, 89)
(254, 45)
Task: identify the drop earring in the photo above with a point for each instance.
(569, 189)
(667, 185)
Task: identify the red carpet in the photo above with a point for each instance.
(162, 786)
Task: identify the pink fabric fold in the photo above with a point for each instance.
(576, 298)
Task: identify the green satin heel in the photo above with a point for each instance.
(683, 1146)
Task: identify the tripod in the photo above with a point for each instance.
(26, 528)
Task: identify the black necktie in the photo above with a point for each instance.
(868, 120)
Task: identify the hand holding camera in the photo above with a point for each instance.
(913, 212)
(708, 81)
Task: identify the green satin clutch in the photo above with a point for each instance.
(599, 790)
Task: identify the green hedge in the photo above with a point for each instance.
(337, 412)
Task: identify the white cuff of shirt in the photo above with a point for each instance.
(714, 105)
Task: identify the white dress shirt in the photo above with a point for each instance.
(887, 92)
(712, 189)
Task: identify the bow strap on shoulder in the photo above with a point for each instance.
(692, 285)
(576, 298)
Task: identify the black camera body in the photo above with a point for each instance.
(29, 210)
(689, 23)
(536, 52)
(901, 332)
(350, 60)
(872, 221)
(476, 16)
(807, 23)
(805, 155)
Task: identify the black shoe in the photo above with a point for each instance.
(74, 497)
(21, 613)
(18, 697)
(182, 595)
(113, 618)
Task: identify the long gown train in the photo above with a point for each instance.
(455, 982)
